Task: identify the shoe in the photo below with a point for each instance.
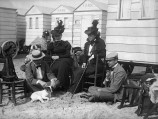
(67, 94)
(109, 103)
(85, 96)
(92, 99)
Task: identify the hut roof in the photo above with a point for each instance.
(69, 8)
(100, 5)
(21, 11)
(7, 5)
(42, 10)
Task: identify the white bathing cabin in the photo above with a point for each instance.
(38, 19)
(64, 13)
(84, 14)
(132, 30)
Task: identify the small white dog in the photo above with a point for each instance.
(41, 95)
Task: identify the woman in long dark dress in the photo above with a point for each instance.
(93, 47)
(60, 53)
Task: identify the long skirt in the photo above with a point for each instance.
(61, 68)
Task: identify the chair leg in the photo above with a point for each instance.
(133, 97)
(9, 91)
(25, 89)
(13, 93)
(140, 105)
(123, 99)
(1, 93)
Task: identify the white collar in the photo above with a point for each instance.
(115, 65)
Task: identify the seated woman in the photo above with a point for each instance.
(93, 47)
(59, 50)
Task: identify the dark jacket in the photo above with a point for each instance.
(60, 48)
(98, 49)
(30, 72)
(118, 78)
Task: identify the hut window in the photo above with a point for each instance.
(148, 8)
(124, 9)
(30, 23)
(57, 19)
(56, 23)
(77, 22)
(66, 24)
(37, 23)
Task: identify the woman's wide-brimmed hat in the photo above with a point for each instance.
(37, 55)
(93, 29)
(59, 29)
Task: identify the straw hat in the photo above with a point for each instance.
(37, 55)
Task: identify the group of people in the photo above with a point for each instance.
(56, 74)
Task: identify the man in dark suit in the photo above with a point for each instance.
(38, 73)
(117, 78)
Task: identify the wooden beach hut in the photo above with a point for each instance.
(64, 13)
(84, 14)
(132, 30)
(21, 24)
(8, 24)
(38, 19)
(21, 28)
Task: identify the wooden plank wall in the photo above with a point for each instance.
(135, 39)
(77, 29)
(67, 35)
(8, 28)
(47, 24)
(103, 25)
(34, 33)
(21, 27)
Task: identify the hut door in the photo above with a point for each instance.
(86, 22)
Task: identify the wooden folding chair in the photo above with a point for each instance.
(95, 79)
(145, 106)
(131, 90)
(10, 85)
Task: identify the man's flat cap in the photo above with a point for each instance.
(112, 55)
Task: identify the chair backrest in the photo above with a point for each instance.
(76, 52)
(9, 69)
(102, 74)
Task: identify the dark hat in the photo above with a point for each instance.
(45, 33)
(59, 29)
(92, 30)
(37, 55)
(112, 56)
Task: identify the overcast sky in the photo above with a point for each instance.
(26, 4)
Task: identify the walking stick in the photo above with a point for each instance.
(79, 80)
